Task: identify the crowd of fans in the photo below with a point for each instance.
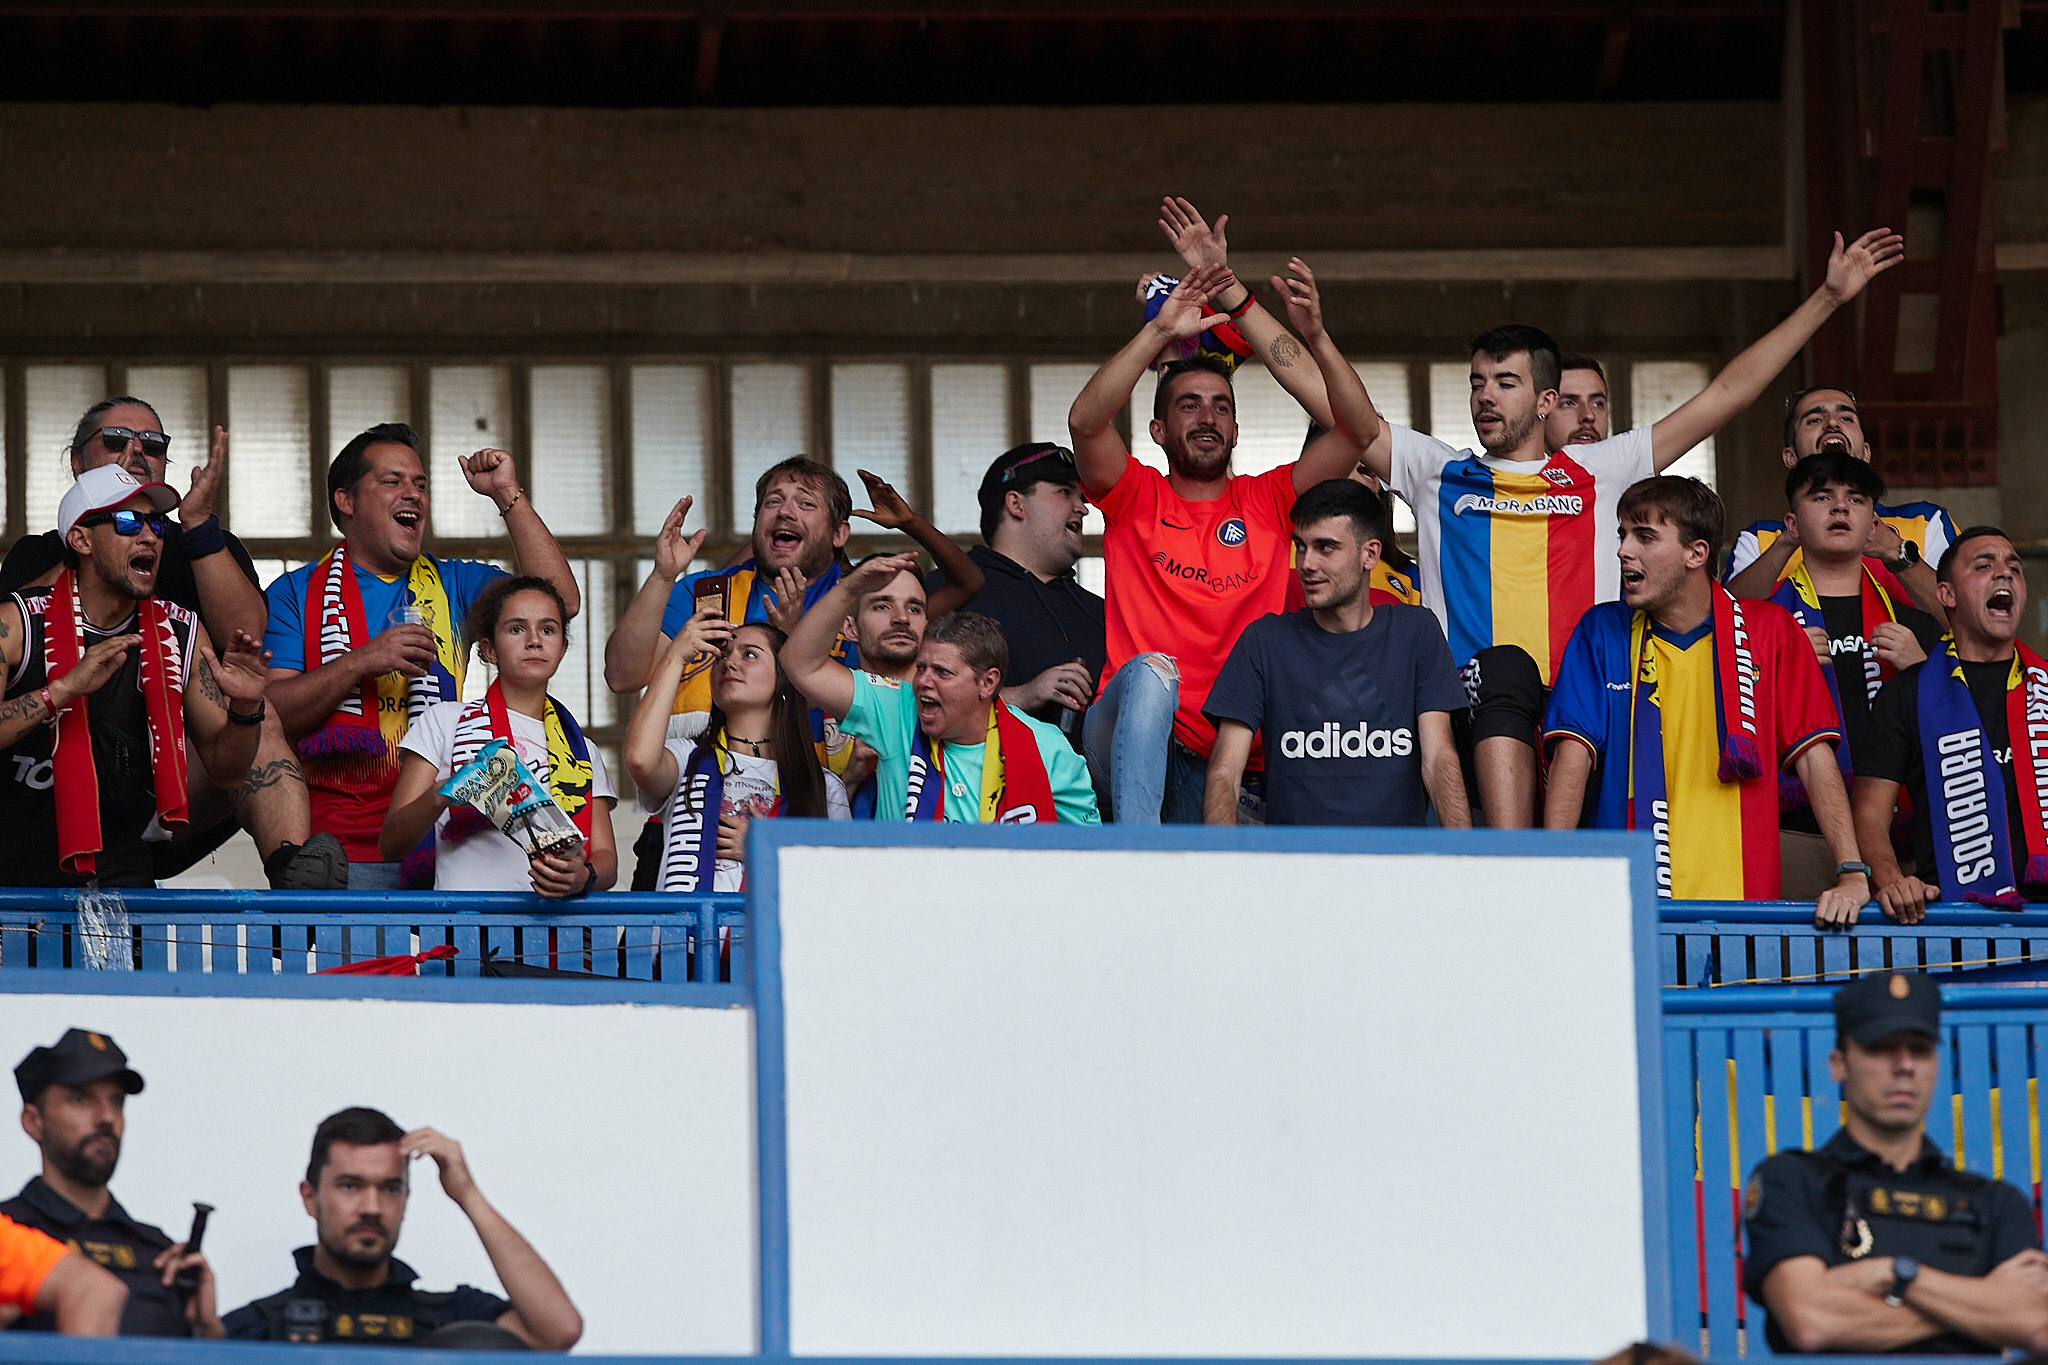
(1843, 713)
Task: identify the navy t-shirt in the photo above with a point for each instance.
(1337, 713)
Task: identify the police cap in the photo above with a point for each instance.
(79, 1058)
(1872, 1008)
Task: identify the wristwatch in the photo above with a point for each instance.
(1905, 1270)
(1844, 869)
(1909, 555)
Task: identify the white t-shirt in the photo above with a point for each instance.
(750, 791)
(489, 861)
(1491, 533)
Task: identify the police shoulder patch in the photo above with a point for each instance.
(1753, 1196)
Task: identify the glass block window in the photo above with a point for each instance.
(571, 464)
(671, 407)
(472, 411)
(269, 430)
(1656, 389)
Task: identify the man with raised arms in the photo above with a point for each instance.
(1195, 555)
(1509, 538)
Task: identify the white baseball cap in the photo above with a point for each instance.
(105, 487)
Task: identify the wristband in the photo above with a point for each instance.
(590, 881)
(517, 494)
(1249, 299)
(50, 705)
(202, 540)
(253, 718)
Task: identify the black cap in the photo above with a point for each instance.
(79, 1058)
(1033, 462)
(1872, 1008)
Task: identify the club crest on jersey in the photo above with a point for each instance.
(1231, 533)
(1561, 477)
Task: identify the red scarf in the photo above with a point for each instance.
(1013, 777)
(1735, 680)
(163, 696)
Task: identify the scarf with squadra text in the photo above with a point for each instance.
(1965, 790)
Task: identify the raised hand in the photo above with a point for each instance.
(492, 473)
(1884, 543)
(1192, 237)
(785, 605)
(673, 551)
(1181, 316)
(889, 508)
(93, 669)
(243, 671)
(874, 573)
(1861, 261)
(1304, 304)
(447, 1156)
(706, 632)
(197, 504)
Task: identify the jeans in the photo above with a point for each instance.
(1128, 738)
(373, 876)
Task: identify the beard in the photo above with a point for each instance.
(122, 581)
(346, 1254)
(891, 650)
(1196, 463)
(88, 1168)
(1513, 431)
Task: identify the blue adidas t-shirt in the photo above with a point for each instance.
(1337, 714)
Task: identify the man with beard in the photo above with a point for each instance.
(1580, 417)
(1908, 542)
(1508, 538)
(205, 569)
(370, 636)
(1195, 555)
(1688, 704)
(352, 1291)
(1032, 513)
(1966, 733)
(106, 686)
(73, 1097)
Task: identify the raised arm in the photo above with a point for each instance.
(637, 640)
(1355, 424)
(648, 761)
(1199, 245)
(491, 473)
(228, 599)
(963, 577)
(1098, 450)
(541, 1313)
(807, 654)
(1759, 577)
(223, 702)
(1850, 268)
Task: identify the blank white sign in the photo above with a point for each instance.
(1210, 1104)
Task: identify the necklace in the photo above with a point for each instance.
(754, 744)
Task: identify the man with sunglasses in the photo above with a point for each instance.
(1906, 543)
(1032, 515)
(204, 569)
(106, 684)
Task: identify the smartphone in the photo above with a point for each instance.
(187, 1281)
(713, 592)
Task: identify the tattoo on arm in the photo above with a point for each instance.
(268, 775)
(1286, 350)
(22, 706)
(208, 688)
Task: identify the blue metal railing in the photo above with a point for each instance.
(1713, 943)
(634, 937)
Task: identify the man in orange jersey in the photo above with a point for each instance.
(1193, 556)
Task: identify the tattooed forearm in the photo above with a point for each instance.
(208, 688)
(1286, 350)
(28, 706)
(265, 776)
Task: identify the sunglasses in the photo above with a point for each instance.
(115, 440)
(127, 523)
(1060, 453)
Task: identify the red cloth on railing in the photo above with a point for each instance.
(405, 964)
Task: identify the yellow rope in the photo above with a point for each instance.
(1854, 971)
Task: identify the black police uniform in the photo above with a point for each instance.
(316, 1309)
(115, 1241)
(1843, 1203)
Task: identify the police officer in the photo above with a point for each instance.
(1875, 1243)
(352, 1291)
(73, 1097)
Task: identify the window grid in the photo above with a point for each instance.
(661, 425)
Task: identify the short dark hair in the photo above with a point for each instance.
(1200, 362)
(482, 621)
(1944, 571)
(1832, 467)
(821, 476)
(1687, 504)
(978, 638)
(90, 423)
(1343, 498)
(1792, 403)
(1545, 360)
(358, 1127)
(1578, 360)
(354, 461)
